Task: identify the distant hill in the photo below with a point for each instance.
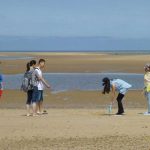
(71, 43)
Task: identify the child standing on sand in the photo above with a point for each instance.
(27, 84)
(116, 85)
(1, 86)
(147, 86)
(38, 88)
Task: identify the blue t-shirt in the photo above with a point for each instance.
(1, 78)
(120, 85)
(1, 82)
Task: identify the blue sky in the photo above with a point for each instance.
(112, 18)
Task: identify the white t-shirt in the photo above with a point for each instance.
(39, 84)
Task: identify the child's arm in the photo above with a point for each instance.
(143, 91)
(42, 79)
(147, 80)
(46, 84)
(113, 94)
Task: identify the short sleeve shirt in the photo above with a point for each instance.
(39, 83)
(121, 86)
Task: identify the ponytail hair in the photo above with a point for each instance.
(32, 62)
(28, 67)
(106, 84)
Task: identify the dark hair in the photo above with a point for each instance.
(147, 68)
(28, 66)
(41, 60)
(32, 62)
(106, 84)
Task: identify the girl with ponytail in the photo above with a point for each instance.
(114, 85)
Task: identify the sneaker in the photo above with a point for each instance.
(28, 115)
(42, 113)
(39, 113)
(45, 112)
(147, 113)
(35, 115)
(119, 114)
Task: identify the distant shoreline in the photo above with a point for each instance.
(116, 52)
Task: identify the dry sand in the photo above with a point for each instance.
(79, 62)
(74, 129)
(76, 120)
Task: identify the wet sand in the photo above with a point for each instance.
(79, 62)
(72, 99)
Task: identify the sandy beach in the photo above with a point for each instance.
(74, 129)
(74, 75)
(78, 62)
(76, 120)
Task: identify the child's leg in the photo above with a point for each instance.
(41, 106)
(38, 107)
(120, 106)
(29, 101)
(40, 103)
(148, 100)
(35, 101)
(34, 105)
(28, 109)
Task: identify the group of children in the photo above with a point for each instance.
(33, 84)
(113, 85)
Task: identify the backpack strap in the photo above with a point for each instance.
(35, 74)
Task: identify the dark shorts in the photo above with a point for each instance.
(37, 95)
(29, 97)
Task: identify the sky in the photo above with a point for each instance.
(122, 19)
(115, 18)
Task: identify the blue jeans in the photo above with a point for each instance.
(37, 95)
(148, 100)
